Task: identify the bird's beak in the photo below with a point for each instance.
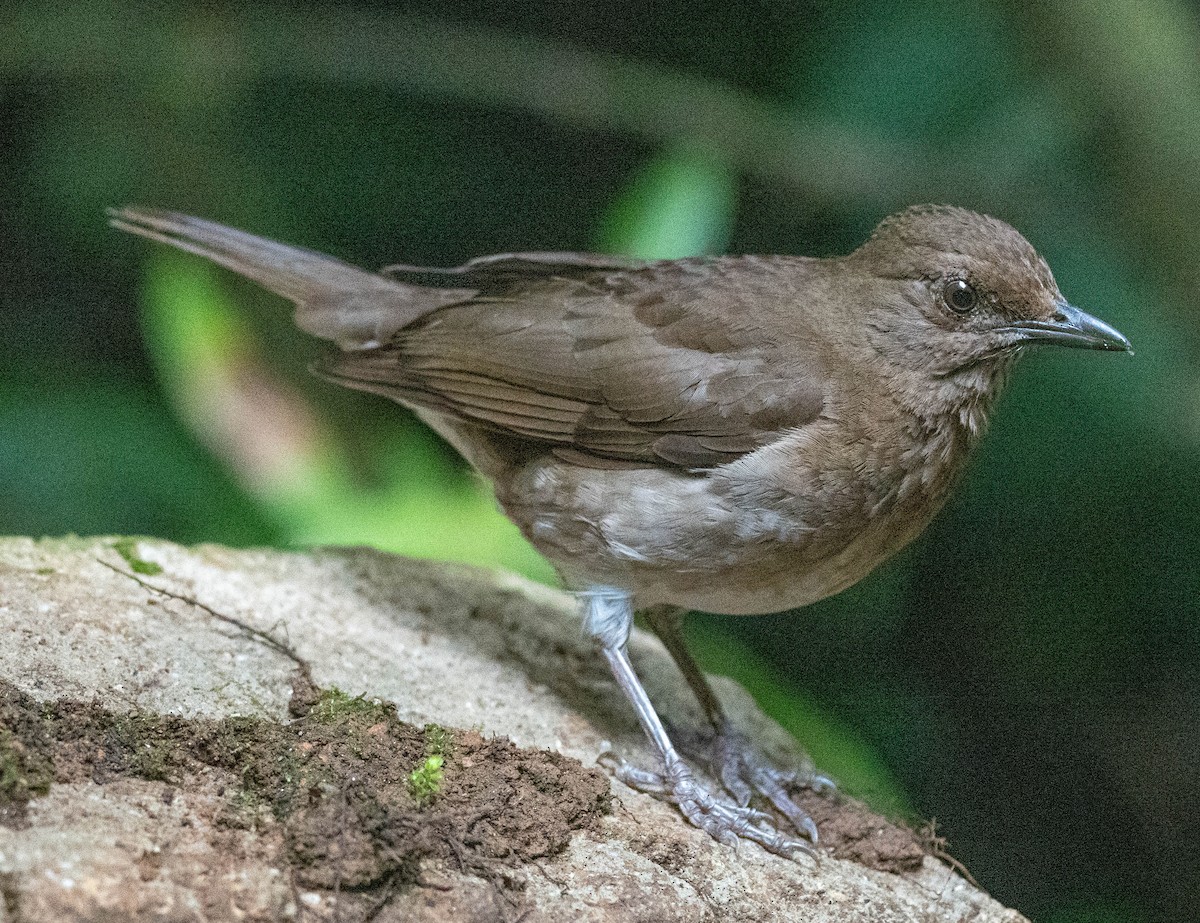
(1072, 327)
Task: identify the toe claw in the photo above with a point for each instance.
(822, 784)
(644, 780)
(737, 787)
(744, 771)
(718, 816)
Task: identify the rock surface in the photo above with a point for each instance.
(346, 735)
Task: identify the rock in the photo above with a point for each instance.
(211, 734)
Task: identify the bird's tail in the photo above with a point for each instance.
(352, 307)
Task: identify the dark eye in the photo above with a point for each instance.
(959, 296)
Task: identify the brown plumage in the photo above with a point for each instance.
(735, 434)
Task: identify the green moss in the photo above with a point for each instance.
(438, 740)
(127, 549)
(150, 749)
(22, 774)
(425, 781)
(333, 705)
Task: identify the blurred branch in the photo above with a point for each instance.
(1134, 75)
(198, 48)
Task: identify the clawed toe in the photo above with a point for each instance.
(722, 818)
(745, 772)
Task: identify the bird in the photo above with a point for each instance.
(731, 434)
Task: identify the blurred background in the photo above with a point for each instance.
(1026, 674)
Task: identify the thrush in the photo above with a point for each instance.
(734, 434)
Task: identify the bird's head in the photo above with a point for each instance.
(956, 296)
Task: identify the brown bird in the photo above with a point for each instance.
(733, 434)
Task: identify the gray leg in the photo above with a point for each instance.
(667, 623)
(608, 617)
(737, 762)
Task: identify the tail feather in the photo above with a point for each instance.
(335, 301)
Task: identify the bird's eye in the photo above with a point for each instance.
(959, 296)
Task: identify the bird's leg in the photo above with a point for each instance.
(733, 758)
(608, 617)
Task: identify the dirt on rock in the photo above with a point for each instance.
(850, 830)
(354, 797)
(155, 764)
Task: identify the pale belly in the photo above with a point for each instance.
(719, 542)
(681, 540)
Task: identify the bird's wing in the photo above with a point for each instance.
(604, 361)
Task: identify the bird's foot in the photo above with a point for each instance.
(744, 772)
(720, 817)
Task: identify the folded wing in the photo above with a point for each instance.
(601, 359)
(629, 364)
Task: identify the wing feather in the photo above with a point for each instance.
(601, 358)
(641, 365)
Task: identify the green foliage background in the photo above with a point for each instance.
(1027, 673)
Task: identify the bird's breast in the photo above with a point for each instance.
(790, 524)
